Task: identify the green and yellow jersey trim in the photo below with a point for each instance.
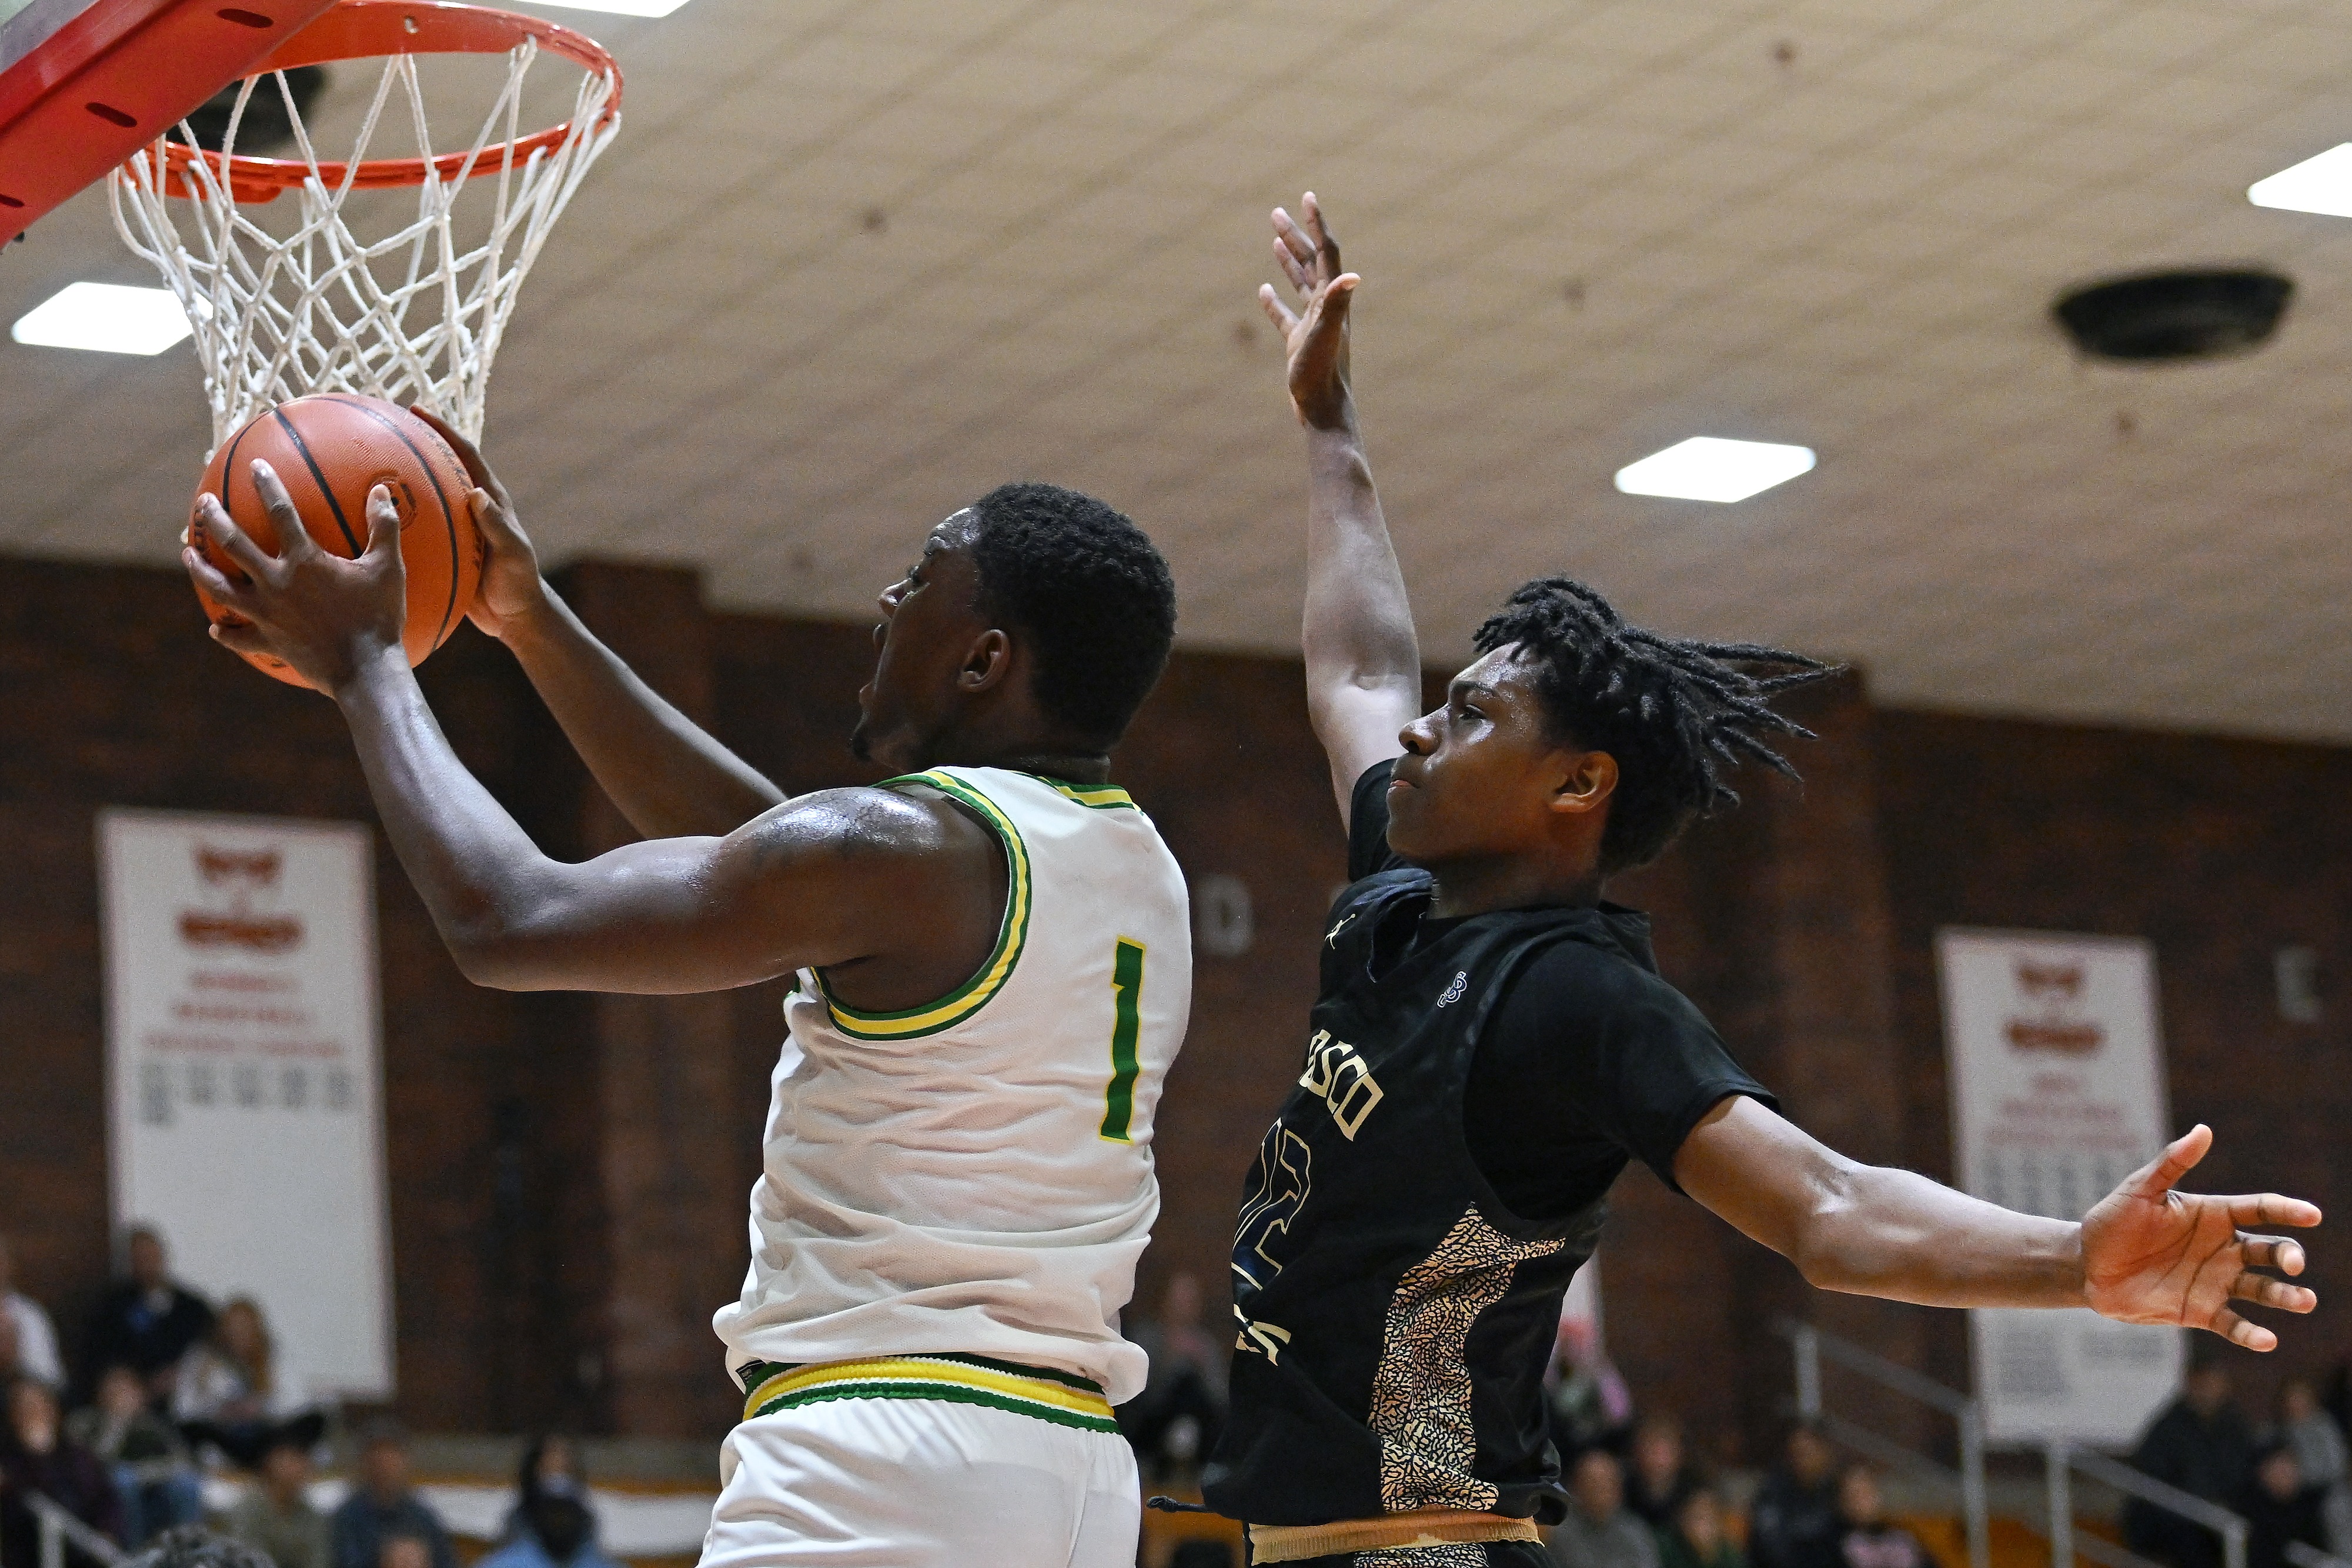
(1039, 1391)
(1094, 796)
(1011, 937)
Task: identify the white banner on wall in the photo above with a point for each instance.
(2057, 1095)
(245, 1122)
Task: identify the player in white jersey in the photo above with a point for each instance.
(994, 970)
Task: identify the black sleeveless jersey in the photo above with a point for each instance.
(1394, 1318)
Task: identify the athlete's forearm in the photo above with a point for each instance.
(1358, 625)
(1363, 661)
(1897, 1235)
(1871, 1230)
(471, 863)
(668, 775)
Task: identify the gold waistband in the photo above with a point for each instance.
(1423, 1527)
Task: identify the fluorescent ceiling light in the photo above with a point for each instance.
(106, 317)
(618, 7)
(2321, 184)
(1710, 468)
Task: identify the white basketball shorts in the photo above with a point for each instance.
(873, 1482)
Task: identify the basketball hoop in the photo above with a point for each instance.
(311, 303)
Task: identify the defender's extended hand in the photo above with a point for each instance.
(320, 613)
(512, 589)
(2151, 1255)
(1315, 336)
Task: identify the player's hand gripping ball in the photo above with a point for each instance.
(330, 451)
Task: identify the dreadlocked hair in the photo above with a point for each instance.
(1677, 714)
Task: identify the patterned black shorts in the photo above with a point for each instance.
(1490, 1554)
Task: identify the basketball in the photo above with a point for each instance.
(330, 451)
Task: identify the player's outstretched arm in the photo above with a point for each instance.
(669, 776)
(839, 877)
(1363, 665)
(2148, 1254)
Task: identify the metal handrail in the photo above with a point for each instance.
(59, 1527)
(1812, 1346)
(2063, 1459)
(2306, 1556)
(2232, 1528)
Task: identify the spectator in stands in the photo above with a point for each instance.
(2311, 1433)
(1660, 1476)
(383, 1510)
(191, 1547)
(37, 1458)
(2336, 1397)
(1175, 1419)
(36, 1336)
(275, 1513)
(2280, 1507)
(1696, 1538)
(550, 1467)
(1599, 1532)
(143, 1454)
(233, 1393)
(405, 1552)
(1867, 1539)
(1586, 1402)
(558, 1533)
(1792, 1523)
(11, 1352)
(2202, 1445)
(146, 1320)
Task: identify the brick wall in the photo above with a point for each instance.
(568, 1171)
(2220, 852)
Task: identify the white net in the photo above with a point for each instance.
(294, 296)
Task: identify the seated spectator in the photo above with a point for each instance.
(11, 1352)
(1792, 1521)
(1867, 1539)
(148, 1465)
(37, 1456)
(550, 1467)
(275, 1514)
(1695, 1537)
(558, 1533)
(36, 1337)
(1174, 1421)
(2279, 1507)
(2203, 1446)
(146, 1322)
(2311, 1433)
(383, 1512)
(233, 1394)
(1587, 1404)
(1597, 1531)
(1660, 1476)
(191, 1547)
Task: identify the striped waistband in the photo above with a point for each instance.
(1399, 1531)
(1043, 1392)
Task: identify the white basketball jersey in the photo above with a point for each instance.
(975, 1176)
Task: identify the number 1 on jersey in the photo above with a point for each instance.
(1126, 997)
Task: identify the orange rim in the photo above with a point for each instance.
(372, 30)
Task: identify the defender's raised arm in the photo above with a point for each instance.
(1363, 663)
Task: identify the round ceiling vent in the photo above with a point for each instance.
(2175, 315)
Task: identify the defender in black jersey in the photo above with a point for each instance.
(1493, 1044)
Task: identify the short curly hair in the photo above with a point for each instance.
(1675, 714)
(1078, 577)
